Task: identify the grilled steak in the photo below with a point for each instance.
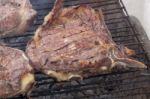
(15, 16)
(74, 42)
(15, 72)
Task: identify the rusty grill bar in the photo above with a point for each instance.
(118, 85)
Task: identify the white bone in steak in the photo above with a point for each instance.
(74, 42)
(15, 16)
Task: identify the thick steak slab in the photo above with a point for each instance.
(15, 16)
(75, 42)
(15, 72)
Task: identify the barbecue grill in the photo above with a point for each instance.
(118, 85)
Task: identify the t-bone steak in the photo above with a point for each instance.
(74, 42)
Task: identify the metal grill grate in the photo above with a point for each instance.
(123, 85)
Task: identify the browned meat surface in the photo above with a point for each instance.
(15, 16)
(74, 42)
(15, 72)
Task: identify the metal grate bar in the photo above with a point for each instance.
(93, 86)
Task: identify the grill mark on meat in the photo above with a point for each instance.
(84, 50)
(76, 39)
(74, 34)
(88, 58)
(64, 46)
(73, 42)
(73, 60)
(64, 29)
(90, 49)
(46, 61)
(68, 34)
(91, 61)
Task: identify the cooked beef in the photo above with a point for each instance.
(74, 42)
(15, 72)
(15, 16)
